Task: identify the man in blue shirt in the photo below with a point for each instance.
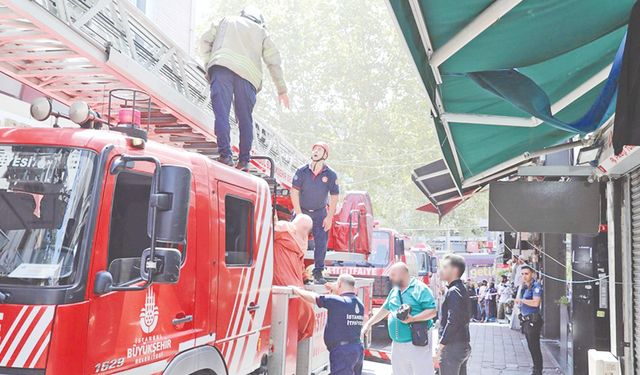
(314, 186)
(345, 315)
(406, 358)
(529, 300)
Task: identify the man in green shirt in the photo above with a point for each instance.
(406, 358)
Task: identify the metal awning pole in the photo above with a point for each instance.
(521, 159)
(479, 24)
(611, 250)
(626, 261)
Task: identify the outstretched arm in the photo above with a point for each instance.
(271, 57)
(381, 314)
(306, 295)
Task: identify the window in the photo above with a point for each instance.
(379, 256)
(423, 263)
(238, 231)
(128, 237)
(45, 196)
(141, 4)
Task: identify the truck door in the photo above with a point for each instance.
(245, 274)
(141, 329)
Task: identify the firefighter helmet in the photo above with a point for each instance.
(324, 146)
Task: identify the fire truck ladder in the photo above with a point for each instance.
(80, 49)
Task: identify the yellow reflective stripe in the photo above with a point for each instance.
(241, 61)
(269, 52)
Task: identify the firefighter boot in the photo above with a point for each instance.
(318, 278)
(225, 160)
(243, 166)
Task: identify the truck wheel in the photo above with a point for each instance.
(204, 372)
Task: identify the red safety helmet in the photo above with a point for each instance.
(324, 146)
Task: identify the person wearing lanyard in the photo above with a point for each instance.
(529, 300)
(315, 186)
(345, 315)
(406, 358)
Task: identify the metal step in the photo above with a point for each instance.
(339, 256)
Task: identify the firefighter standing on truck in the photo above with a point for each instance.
(314, 186)
(345, 316)
(232, 52)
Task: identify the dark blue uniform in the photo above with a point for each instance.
(342, 332)
(535, 290)
(314, 196)
(532, 324)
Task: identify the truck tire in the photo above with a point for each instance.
(203, 360)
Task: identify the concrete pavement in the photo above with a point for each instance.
(495, 350)
(498, 350)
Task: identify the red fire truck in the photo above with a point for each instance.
(427, 268)
(388, 247)
(119, 255)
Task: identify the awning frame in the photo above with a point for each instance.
(435, 58)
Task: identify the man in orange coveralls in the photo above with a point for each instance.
(289, 247)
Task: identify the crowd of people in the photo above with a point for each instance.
(411, 312)
(491, 302)
(410, 309)
(233, 51)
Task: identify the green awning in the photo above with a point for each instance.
(565, 46)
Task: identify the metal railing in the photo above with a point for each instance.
(117, 25)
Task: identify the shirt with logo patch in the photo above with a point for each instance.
(315, 189)
(535, 290)
(345, 316)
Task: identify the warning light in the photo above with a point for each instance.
(136, 142)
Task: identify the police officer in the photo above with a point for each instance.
(314, 186)
(344, 322)
(529, 299)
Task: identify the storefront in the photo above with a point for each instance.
(623, 205)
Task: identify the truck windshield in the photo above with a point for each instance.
(45, 194)
(379, 256)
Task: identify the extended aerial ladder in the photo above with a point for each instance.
(74, 50)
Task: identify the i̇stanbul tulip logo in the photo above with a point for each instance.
(149, 313)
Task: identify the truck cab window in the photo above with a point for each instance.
(238, 231)
(423, 263)
(128, 237)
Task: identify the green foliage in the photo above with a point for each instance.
(563, 301)
(353, 84)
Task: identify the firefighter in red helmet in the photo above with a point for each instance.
(315, 193)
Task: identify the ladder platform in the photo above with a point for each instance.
(339, 256)
(73, 50)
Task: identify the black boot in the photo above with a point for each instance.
(225, 160)
(318, 278)
(243, 166)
